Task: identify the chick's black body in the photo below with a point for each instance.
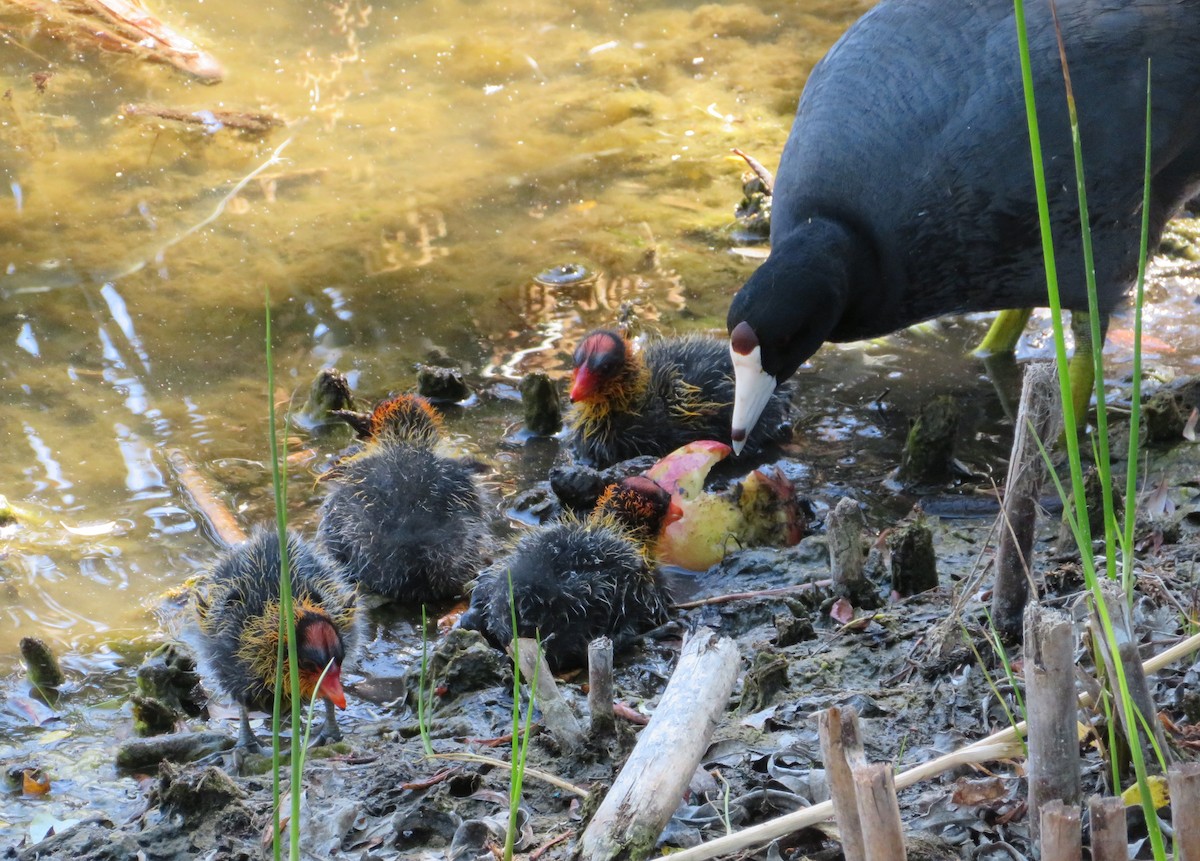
(575, 581)
(905, 190)
(407, 523)
(239, 622)
(650, 402)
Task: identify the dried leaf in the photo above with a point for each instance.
(842, 611)
(34, 782)
(972, 792)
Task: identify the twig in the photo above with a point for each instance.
(761, 593)
(543, 776)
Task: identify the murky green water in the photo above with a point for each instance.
(436, 157)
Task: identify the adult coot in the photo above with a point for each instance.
(905, 189)
(239, 625)
(673, 391)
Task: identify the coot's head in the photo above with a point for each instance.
(320, 650)
(639, 504)
(599, 362)
(403, 418)
(781, 316)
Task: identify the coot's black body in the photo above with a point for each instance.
(653, 400)
(905, 189)
(575, 581)
(407, 523)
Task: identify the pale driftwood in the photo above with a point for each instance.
(1183, 779)
(1050, 703)
(557, 715)
(1037, 419)
(1110, 837)
(1061, 840)
(216, 514)
(879, 812)
(1135, 676)
(648, 789)
(841, 748)
(600, 687)
(844, 534)
(1004, 744)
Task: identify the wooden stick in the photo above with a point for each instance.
(600, 687)
(841, 749)
(1183, 779)
(1053, 737)
(560, 720)
(215, 512)
(1061, 840)
(1004, 744)
(1110, 837)
(648, 788)
(879, 812)
(745, 596)
(1037, 418)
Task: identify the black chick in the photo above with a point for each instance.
(651, 402)
(239, 625)
(577, 580)
(905, 190)
(408, 524)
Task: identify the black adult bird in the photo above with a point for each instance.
(239, 625)
(905, 190)
(673, 391)
(577, 580)
(408, 523)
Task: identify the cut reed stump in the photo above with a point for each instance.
(914, 564)
(844, 528)
(929, 449)
(1038, 418)
(879, 812)
(557, 715)
(1110, 837)
(841, 749)
(1184, 782)
(600, 688)
(1131, 663)
(652, 782)
(1061, 840)
(1051, 705)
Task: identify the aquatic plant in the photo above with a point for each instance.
(1075, 506)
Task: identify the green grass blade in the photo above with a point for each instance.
(286, 611)
(1135, 414)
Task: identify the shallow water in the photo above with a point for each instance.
(437, 156)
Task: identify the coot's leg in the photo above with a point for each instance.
(246, 739)
(1004, 332)
(1081, 368)
(329, 732)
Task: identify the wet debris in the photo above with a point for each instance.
(328, 395)
(563, 275)
(540, 401)
(127, 27)
(753, 211)
(249, 123)
(168, 690)
(914, 563)
(928, 456)
(1164, 416)
(41, 665)
(442, 385)
(765, 680)
(144, 753)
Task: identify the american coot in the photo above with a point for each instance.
(576, 580)
(651, 401)
(407, 522)
(905, 189)
(239, 625)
